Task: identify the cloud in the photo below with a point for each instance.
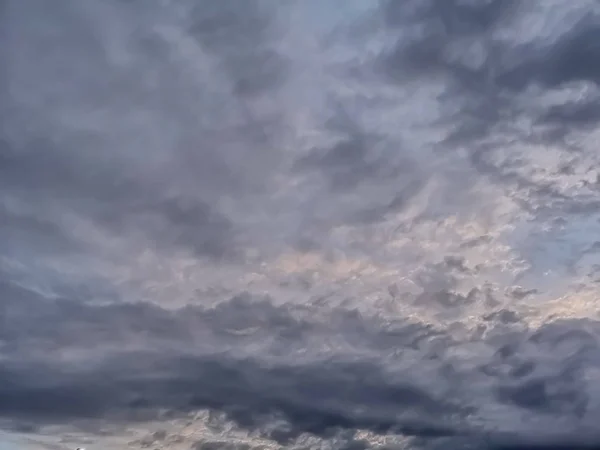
(565, 61)
(344, 227)
(435, 28)
(174, 367)
(503, 88)
(54, 371)
(241, 35)
(85, 154)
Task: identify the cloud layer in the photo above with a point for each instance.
(253, 224)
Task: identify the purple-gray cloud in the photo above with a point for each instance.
(326, 224)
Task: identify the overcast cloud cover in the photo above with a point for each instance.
(249, 224)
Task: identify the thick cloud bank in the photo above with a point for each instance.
(313, 224)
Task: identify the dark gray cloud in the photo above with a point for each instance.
(570, 58)
(186, 360)
(572, 114)
(242, 36)
(312, 396)
(330, 226)
(435, 27)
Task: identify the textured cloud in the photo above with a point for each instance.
(252, 224)
(256, 362)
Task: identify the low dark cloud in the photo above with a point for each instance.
(192, 358)
(313, 396)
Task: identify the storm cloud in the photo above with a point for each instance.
(250, 224)
(65, 361)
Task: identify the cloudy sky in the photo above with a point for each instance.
(305, 224)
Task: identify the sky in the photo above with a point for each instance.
(301, 224)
